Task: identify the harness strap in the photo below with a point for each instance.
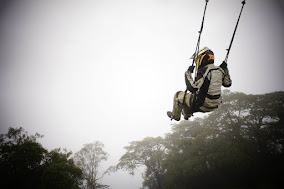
(213, 97)
(195, 97)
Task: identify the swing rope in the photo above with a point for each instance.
(199, 37)
(228, 50)
(197, 46)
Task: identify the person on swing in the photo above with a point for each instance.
(205, 91)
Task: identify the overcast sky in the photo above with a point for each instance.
(80, 71)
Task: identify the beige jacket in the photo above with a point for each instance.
(207, 86)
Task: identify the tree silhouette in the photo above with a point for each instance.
(24, 163)
(149, 153)
(239, 145)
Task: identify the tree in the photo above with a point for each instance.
(238, 145)
(21, 158)
(89, 159)
(150, 153)
(24, 163)
(60, 171)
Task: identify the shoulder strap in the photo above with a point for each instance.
(209, 70)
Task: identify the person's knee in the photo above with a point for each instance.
(178, 93)
(179, 96)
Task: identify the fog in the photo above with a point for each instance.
(80, 71)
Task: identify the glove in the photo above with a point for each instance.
(223, 65)
(191, 68)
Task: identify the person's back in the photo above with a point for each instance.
(209, 94)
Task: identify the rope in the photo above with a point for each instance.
(199, 37)
(197, 45)
(228, 50)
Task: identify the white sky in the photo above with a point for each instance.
(80, 71)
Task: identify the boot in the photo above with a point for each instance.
(186, 115)
(170, 114)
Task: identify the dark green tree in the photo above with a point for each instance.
(60, 172)
(24, 163)
(21, 158)
(240, 145)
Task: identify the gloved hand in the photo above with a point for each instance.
(223, 65)
(191, 68)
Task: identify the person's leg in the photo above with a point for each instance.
(178, 105)
(187, 111)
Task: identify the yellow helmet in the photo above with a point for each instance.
(203, 57)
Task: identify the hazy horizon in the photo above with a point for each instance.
(107, 70)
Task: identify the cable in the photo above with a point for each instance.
(228, 50)
(197, 45)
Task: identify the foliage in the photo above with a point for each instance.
(20, 158)
(148, 152)
(89, 159)
(239, 145)
(24, 163)
(61, 170)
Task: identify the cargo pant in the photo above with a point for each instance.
(182, 106)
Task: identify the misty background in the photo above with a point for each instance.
(80, 71)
